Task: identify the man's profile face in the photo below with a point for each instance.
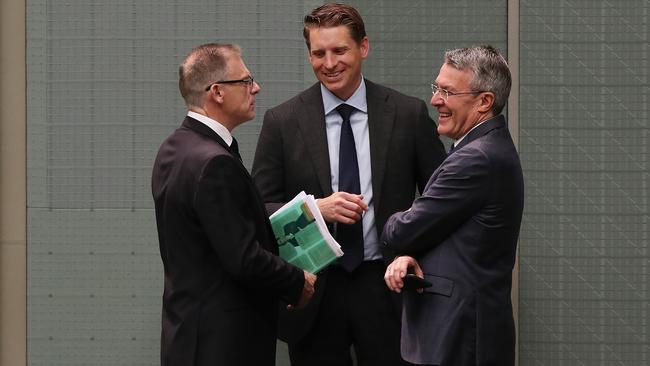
(238, 98)
(336, 59)
(459, 113)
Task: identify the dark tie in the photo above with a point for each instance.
(349, 236)
(234, 148)
(451, 149)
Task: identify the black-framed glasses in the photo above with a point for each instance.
(445, 94)
(248, 81)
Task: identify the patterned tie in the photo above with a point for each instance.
(350, 236)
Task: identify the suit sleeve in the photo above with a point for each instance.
(430, 151)
(450, 199)
(268, 164)
(225, 208)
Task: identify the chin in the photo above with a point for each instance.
(331, 86)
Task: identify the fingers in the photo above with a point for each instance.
(398, 269)
(394, 274)
(349, 212)
(307, 291)
(343, 207)
(416, 268)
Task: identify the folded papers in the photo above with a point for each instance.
(302, 234)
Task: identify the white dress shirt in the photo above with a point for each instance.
(215, 126)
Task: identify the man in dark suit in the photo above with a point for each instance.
(461, 234)
(385, 145)
(222, 274)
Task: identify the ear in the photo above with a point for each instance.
(485, 102)
(216, 93)
(365, 47)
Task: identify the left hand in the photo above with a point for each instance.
(398, 269)
(307, 291)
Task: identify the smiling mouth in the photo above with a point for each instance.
(444, 114)
(332, 74)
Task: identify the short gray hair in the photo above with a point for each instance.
(205, 64)
(490, 71)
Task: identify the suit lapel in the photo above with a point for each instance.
(312, 129)
(381, 118)
(200, 128)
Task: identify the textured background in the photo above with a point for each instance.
(584, 136)
(102, 95)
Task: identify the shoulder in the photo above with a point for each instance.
(375, 90)
(494, 149)
(197, 150)
(308, 96)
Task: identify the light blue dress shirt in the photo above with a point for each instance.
(359, 123)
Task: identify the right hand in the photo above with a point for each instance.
(342, 207)
(394, 276)
(307, 291)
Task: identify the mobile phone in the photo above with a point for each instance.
(412, 282)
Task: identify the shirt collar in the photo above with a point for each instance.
(217, 127)
(465, 135)
(357, 100)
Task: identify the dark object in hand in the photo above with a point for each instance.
(413, 282)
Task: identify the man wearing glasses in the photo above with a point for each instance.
(362, 149)
(223, 277)
(461, 234)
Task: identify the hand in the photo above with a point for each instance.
(342, 207)
(398, 269)
(307, 291)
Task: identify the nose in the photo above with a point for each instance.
(436, 99)
(330, 61)
(256, 88)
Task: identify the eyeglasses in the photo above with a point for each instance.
(248, 81)
(445, 94)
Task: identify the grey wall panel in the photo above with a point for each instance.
(94, 288)
(584, 147)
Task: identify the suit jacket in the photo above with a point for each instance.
(292, 155)
(463, 230)
(222, 275)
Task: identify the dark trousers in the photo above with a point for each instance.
(356, 310)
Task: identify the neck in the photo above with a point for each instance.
(484, 117)
(216, 115)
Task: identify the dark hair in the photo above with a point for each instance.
(334, 15)
(202, 66)
(490, 71)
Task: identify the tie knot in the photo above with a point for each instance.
(345, 110)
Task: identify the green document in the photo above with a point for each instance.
(302, 235)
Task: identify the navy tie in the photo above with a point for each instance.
(349, 236)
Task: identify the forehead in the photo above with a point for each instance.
(451, 77)
(322, 37)
(236, 66)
